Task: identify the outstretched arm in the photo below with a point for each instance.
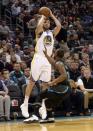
(57, 22)
(39, 27)
(50, 59)
(58, 66)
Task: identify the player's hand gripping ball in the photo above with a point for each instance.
(44, 11)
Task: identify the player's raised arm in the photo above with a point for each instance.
(57, 22)
(39, 27)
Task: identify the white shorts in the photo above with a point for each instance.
(40, 68)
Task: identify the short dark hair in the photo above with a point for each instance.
(4, 71)
(60, 53)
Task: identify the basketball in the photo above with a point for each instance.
(44, 11)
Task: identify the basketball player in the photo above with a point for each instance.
(57, 90)
(40, 66)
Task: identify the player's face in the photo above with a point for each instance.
(46, 24)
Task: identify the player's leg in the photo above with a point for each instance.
(38, 73)
(24, 106)
(35, 73)
(52, 100)
(42, 113)
(45, 77)
(48, 103)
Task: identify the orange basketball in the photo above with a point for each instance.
(44, 11)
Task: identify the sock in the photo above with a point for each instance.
(36, 111)
(26, 99)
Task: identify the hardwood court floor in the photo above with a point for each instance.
(78, 124)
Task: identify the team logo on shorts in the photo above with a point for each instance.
(47, 40)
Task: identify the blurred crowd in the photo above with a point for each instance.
(17, 48)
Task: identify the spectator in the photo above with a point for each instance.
(27, 55)
(4, 102)
(23, 65)
(18, 51)
(19, 42)
(77, 98)
(4, 4)
(27, 76)
(6, 78)
(4, 30)
(14, 90)
(85, 83)
(16, 9)
(17, 76)
(73, 71)
(85, 60)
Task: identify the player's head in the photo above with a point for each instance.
(59, 54)
(46, 24)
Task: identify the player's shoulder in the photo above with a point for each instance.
(38, 35)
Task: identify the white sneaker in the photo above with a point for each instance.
(42, 110)
(24, 109)
(32, 119)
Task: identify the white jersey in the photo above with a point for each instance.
(46, 40)
(40, 66)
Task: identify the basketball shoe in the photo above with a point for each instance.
(42, 110)
(32, 119)
(24, 109)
